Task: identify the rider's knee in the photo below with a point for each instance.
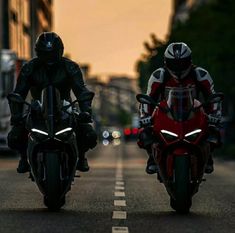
(17, 138)
(145, 137)
(214, 138)
(86, 137)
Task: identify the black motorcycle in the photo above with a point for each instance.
(52, 147)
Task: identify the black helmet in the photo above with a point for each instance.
(49, 47)
(178, 59)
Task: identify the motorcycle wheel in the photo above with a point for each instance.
(53, 199)
(183, 200)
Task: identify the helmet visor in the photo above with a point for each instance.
(178, 65)
(48, 57)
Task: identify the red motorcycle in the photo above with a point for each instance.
(180, 146)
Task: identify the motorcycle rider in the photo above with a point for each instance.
(178, 71)
(50, 67)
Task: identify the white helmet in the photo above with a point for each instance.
(178, 59)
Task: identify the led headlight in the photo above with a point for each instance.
(191, 136)
(39, 131)
(168, 135)
(64, 131)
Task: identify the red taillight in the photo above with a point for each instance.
(135, 131)
(127, 131)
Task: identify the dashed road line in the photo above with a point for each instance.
(120, 230)
(119, 194)
(119, 183)
(119, 215)
(119, 188)
(119, 203)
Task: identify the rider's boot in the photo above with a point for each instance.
(210, 165)
(23, 165)
(82, 164)
(151, 167)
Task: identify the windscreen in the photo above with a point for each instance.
(180, 102)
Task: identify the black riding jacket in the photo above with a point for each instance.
(64, 75)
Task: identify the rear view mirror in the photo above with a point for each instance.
(145, 99)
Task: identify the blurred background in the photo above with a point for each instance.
(118, 44)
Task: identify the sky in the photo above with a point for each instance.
(109, 34)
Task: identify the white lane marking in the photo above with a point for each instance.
(119, 188)
(119, 214)
(119, 183)
(119, 203)
(119, 194)
(120, 230)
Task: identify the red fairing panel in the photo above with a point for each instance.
(164, 121)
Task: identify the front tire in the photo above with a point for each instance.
(182, 200)
(53, 183)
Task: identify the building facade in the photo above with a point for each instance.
(41, 18)
(113, 97)
(21, 22)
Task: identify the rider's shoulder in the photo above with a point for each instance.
(158, 75)
(28, 67)
(202, 74)
(71, 66)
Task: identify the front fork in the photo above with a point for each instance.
(197, 158)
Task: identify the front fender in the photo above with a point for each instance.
(180, 151)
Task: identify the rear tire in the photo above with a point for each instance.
(53, 183)
(183, 200)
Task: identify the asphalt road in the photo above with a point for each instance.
(116, 196)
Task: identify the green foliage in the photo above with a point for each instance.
(210, 33)
(124, 117)
(150, 61)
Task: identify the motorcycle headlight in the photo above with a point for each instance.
(39, 131)
(168, 135)
(191, 136)
(64, 131)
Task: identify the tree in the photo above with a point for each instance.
(150, 61)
